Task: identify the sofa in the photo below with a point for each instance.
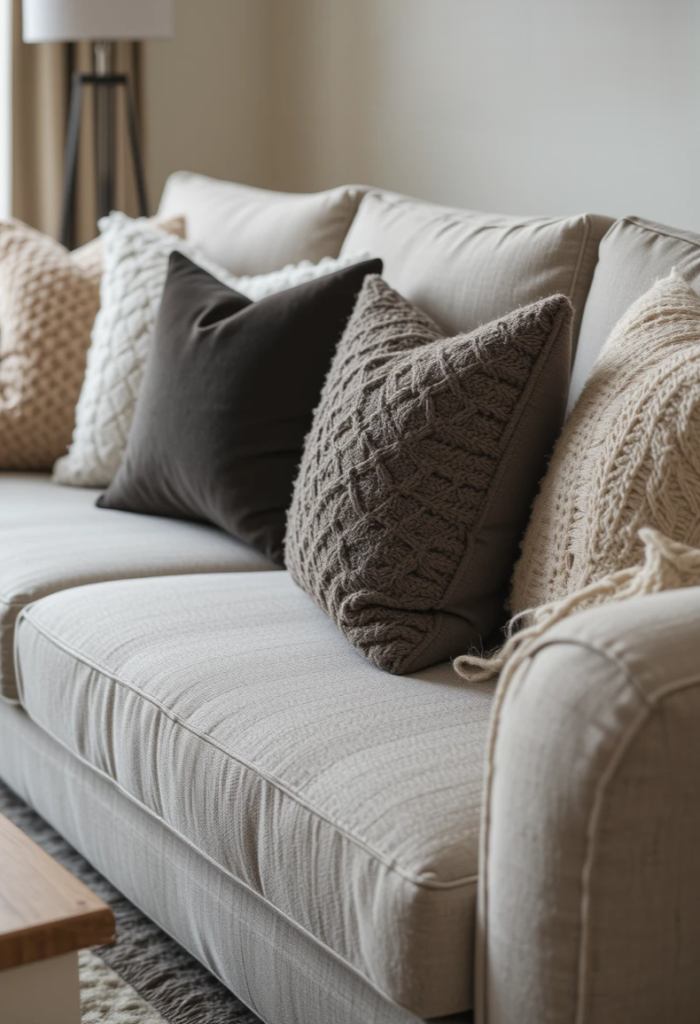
(336, 844)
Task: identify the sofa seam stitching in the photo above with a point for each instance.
(661, 229)
(650, 704)
(481, 951)
(275, 783)
(579, 264)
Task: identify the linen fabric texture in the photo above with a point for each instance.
(595, 739)
(241, 693)
(227, 399)
(255, 231)
(53, 538)
(629, 456)
(419, 473)
(136, 266)
(48, 302)
(465, 268)
(258, 953)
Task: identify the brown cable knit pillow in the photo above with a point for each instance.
(419, 472)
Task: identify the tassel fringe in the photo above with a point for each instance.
(667, 565)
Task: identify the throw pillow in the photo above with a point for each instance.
(91, 255)
(136, 266)
(135, 255)
(620, 504)
(48, 303)
(419, 472)
(227, 399)
(628, 458)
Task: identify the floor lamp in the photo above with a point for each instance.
(103, 22)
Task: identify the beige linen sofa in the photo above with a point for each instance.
(338, 845)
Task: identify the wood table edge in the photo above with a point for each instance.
(64, 933)
(96, 928)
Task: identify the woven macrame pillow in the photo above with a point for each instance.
(628, 458)
(618, 514)
(419, 472)
(48, 301)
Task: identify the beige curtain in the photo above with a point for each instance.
(40, 98)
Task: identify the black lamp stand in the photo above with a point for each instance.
(106, 85)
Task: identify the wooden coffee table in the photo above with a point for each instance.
(46, 916)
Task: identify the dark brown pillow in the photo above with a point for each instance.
(419, 472)
(227, 399)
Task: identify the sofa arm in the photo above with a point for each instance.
(589, 904)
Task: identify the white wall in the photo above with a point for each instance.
(529, 106)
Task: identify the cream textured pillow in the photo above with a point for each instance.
(91, 255)
(136, 259)
(629, 456)
(618, 512)
(48, 303)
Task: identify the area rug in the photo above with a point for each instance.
(146, 977)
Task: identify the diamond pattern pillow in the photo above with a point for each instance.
(419, 472)
(48, 302)
(135, 255)
(136, 259)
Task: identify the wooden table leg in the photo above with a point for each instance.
(41, 992)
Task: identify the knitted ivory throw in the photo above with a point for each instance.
(419, 472)
(618, 514)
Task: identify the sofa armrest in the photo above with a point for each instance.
(589, 904)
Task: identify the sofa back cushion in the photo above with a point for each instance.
(254, 231)
(465, 269)
(633, 255)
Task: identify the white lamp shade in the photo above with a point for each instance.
(52, 21)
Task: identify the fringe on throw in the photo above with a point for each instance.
(667, 565)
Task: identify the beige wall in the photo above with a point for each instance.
(205, 93)
(549, 106)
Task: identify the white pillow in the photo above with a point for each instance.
(136, 256)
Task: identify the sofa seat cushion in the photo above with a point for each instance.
(231, 708)
(52, 538)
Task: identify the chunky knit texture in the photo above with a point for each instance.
(136, 253)
(629, 456)
(618, 514)
(48, 302)
(398, 473)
